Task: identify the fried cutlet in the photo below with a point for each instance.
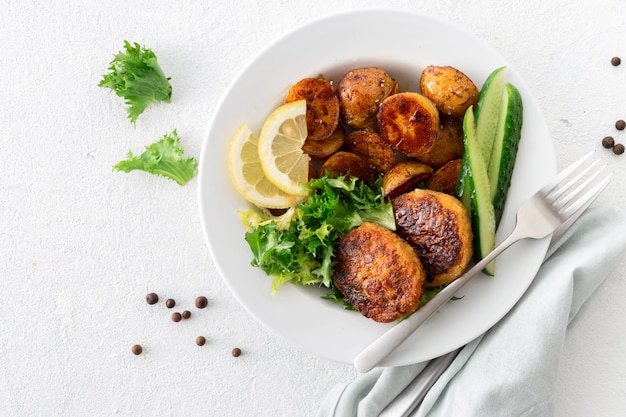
(438, 226)
(379, 273)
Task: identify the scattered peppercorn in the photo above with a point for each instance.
(620, 125)
(176, 317)
(201, 301)
(618, 149)
(236, 352)
(170, 303)
(137, 349)
(615, 61)
(608, 142)
(200, 340)
(152, 298)
(186, 314)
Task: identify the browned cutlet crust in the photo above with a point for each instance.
(438, 227)
(379, 273)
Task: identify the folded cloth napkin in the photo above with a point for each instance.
(511, 370)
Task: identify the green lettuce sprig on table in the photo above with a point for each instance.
(135, 75)
(165, 158)
(301, 250)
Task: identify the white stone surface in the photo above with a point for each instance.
(80, 245)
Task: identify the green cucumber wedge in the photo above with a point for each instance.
(488, 111)
(489, 104)
(476, 180)
(504, 151)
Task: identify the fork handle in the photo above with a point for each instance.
(371, 356)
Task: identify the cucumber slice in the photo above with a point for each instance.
(477, 182)
(504, 151)
(488, 111)
(489, 104)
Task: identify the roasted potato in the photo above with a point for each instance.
(322, 106)
(438, 226)
(360, 93)
(451, 90)
(445, 178)
(322, 149)
(372, 148)
(409, 123)
(312, 172)
(448, 145)
(378, 273)
(346, 163)
(405, 176)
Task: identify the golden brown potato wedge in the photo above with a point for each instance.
(322, 149)
(438, 226)
(346, 163)
(322, 106)
(451, 90)
(405, 176)
(445, 178)
(448, 145)
(360, 93)
(372, 148)
(409, 123)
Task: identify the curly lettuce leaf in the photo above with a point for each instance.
(302, 251)
(135, 75)
(164, 158)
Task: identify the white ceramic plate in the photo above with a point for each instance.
(403, 44)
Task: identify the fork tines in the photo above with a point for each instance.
(576, 192)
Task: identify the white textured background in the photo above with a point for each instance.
(80, 245)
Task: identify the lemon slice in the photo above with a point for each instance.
(248, 177)
(280, 148)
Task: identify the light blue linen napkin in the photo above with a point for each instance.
(511, 370)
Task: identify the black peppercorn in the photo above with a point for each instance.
(200, 340)
(236, 352)
(137, 349)
(176, 317)
(615, 61)
(170, 303)
(608, 142)
(618, 149)
(186, 314)
(620, 125)
(152, 298)
(201, 302)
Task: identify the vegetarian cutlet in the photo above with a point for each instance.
(438, 226)
(379, 273)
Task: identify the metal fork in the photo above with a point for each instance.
(550, 207)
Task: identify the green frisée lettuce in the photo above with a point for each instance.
(299, 246)
(164, 158)
(136, 76)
